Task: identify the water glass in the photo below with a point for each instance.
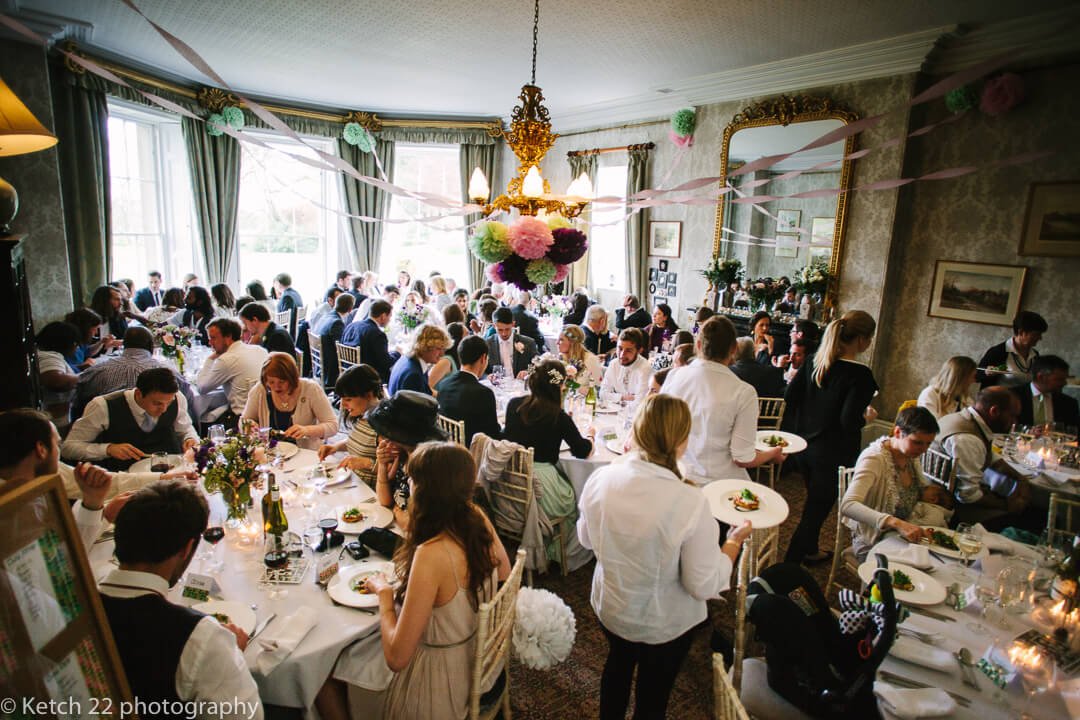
(217, 434)
(1014, 588)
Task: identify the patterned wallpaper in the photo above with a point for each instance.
(36, 177)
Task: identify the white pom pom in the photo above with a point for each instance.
(545, 629)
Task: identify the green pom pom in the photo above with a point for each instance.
(234, 116)
(489, 242)
(683, 122)
(354, 134)
(556, 222)
(215, 124)
(961, 99)
(540, 271)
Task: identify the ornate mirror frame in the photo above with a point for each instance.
(785, 110)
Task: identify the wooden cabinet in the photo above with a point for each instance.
(20, 384)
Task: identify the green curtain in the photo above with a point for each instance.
(637, 251)
(82, 119)
(214, 163)
(364, 199)
(485, 157)
(581, 272)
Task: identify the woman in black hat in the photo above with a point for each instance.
(402, 422)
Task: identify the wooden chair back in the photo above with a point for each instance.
(726, 700)
(494, 631)
(284, 319)
(315, 347)
(759, 551)
(843, 476)
(347, 357)
(770, 413)
(939, 468)
(455, 429)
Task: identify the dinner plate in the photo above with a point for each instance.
(614, 445)
(239, 614)
(341, 589)
(795, 443)
(772, 508)
(374, 516)
(947, 552)
(607, 409)
(144, 464)
(928, 591)
(285, 450)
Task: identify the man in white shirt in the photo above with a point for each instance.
(725, 409)
(627, 377)
(234, 366)
(192, 657)
(509, 348)
(124, 426)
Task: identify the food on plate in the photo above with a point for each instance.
(352, 515)
(901, 581)
(359, 583)
(945, 540)
(745, 501)
(1003, 367)
(221, 618)
(776, 441)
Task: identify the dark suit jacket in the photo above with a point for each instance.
(521, 359)
(527, 324)
(373, 343)
(767, 380)
(597, 344)
(278, 339)
(639, 319)
(144, 298)
(1066, 409)
(408, 374)
(462, 397)
(330, 329)
(289, 299)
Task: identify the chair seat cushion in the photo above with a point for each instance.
(760, 700)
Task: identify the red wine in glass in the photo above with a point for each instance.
(160, 468)
(213, 535)
(275, 559)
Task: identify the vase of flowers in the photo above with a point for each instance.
(764, 292)
(814, 279)
(229, 468)
(555, 305)
(411, 318)
(721, 272)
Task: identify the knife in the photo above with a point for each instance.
(939, 558)
(261, 626)
(929, 613)
(909, 683)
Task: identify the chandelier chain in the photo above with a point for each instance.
(536, 27)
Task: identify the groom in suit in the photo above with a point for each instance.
(509, 348)
(1041, 400)
(151, 295)
(462, 397)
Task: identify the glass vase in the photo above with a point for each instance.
(236, 506)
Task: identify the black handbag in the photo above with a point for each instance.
(380, 540)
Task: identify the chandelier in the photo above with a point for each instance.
(530, 138)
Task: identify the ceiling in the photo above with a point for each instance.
(596, 59)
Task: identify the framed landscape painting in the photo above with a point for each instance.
(787, 245)
(977, 292)
(787, 220)
(665, 238)
(1052, 222)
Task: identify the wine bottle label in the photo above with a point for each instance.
(275, 494)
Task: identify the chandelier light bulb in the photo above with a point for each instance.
(533, 184)
(580, 187)
(478, 186)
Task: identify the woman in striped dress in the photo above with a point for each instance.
(360, 389)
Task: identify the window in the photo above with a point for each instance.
(286, 220)
(151, 208)
(417, 247)
(607, 232)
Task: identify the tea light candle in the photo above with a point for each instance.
(248, 533)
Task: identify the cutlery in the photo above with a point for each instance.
(963, 656)
(940, 558)
(929, 613)
(262, 626)
(924, 637)
(904, 682)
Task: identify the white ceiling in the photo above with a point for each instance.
(445, 57)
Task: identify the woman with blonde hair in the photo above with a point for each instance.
(448, 363)
(439, 295)
(950, 390)
(284, 401)
(829, 399)
(572, 351)
(650, 585)
(410, 371)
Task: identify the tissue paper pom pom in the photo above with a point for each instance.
(512, 270)
(545, 629)
(961, 99)
(488, 243)
(1002, 94)
(557, 221)
(234, 116)
(680, 140)
(215, 125)
(540, 271)
(355, 134)
(493, 273)
(683, 122)
(530, 238)
(561, 273)
(569, 246)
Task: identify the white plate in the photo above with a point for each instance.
(239, 614)
(607, 409)
(285, 449)
(946, 552)
(144, 464)
(614, 445)
(772, 509)
(796, 443)
(341, 590)
(374, 516)
(928, 591)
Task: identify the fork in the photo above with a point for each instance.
(925, 637)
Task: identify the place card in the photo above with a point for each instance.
(200, 588)
(326, 567)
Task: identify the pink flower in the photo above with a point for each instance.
(520, 347)
(571, 371)
(561, 273)
(1002, 94)
(168, 339)
(530, 238)
(493, 272)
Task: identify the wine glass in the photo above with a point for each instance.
(988, 597)
(1037, 672)
(214, 535)
(306, 490)
(968, 543)
(217, 434)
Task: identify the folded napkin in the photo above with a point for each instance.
(281, 637)
(912, 651)
(1022, 469)
(915, 703)
(1062, 476)
(998, 543)
(915, 556)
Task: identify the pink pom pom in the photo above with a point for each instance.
(1002, 94)
(493, 274)
(561, 273)
(681, 140)
(530, 238)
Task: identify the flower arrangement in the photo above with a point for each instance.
(228, 468)
(545, 629)
(813, 279)
(173, 339)
(412, 318)
(722, 272)
(555, 305)
(530, 252)
(764, 292)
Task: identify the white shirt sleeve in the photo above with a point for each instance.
(79, 444)
(968, 453)
(640, 380)
(930, 400)
(212, 668)
(122, 482)
(704, 570)
(744, 431)
(88, 522)
(608, 385)
(214, 373)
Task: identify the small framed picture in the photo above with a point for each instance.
(663, 266)
(787, 245)
(1052, 222)
(658, 299)
(787, 220)
(671, 290)
(977, 292)
(661, 279)
(652, 288)
(665, 238)
(672, 278)
(652, 274)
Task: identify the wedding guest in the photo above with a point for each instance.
(325, 308)
(571, 346)
(360, 389)
(579, 304)
(171, 301)
(127, 425)
(461, 299)
(1042, 400)
(88, 323)
(507, 348)
(342, 281)
(682, 337)
(660, 331)
(789, 304)
(888, 485)
(234, 366)
(263, 331)
(404, 280)
(450, 562)
(767, 381)
(627, 377)
(656, 382)
(950, 390)
(725, 409)
(224, 301)
(683, 355)
(462, 397)
(284, 401)
(800, 350)
(538, 421)
(151, 295)
(420, 289)
(650, 585)
(449, 362)
(830, 401)
(197, 313)
(703, 313)
(356, 289)
(527, 323)
(1009, 363)
(439, 295)
(56, 346)
(288, 298)
(486, 326)
(763, 341)
(452, 314)
(330, 330)
(804, 330)
(410, 370)
(257, 290)
(598, 340)
(191, 280)
(368, 335)
(631, 314)
(108, 303)
(193, 656)
(390, 296)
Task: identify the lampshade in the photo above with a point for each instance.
(20, 131)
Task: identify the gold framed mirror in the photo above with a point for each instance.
(775, 126)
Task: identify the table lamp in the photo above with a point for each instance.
(20, 133)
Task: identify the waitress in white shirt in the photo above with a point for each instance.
(658, 559)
